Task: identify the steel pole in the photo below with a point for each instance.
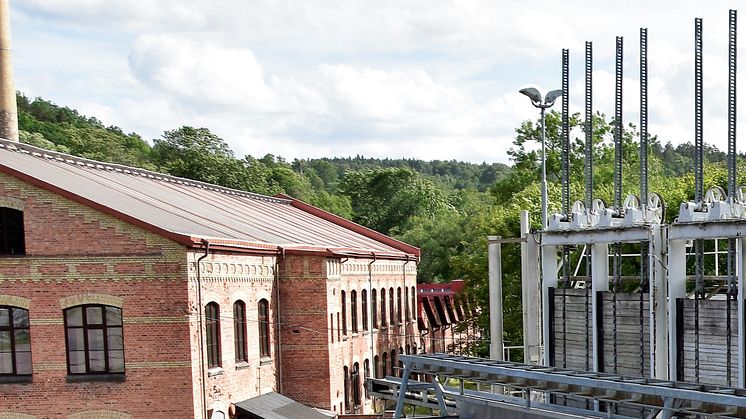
(544, 218)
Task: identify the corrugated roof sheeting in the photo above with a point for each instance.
(180, 206)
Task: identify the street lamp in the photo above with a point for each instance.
(548, 101)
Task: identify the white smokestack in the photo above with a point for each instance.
(8, 105)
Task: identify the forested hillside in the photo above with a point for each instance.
(447, 208)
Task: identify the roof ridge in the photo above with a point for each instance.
(120, 168)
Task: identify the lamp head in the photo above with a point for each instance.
(552, 96)
(532, 94)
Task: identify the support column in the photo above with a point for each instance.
(549, 280)
(658, 307)
(740, 270)
(530, 291)
(676, 289)
(600, 282)
(496, 297)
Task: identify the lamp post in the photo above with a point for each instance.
(543, 105)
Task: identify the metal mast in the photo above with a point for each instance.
(618, 130)
(565, 131)
(698, 185)
(588, 124)
(731, 262)
(644, 247)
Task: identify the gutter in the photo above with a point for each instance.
(281, 254)
(370, 307)
(201, 337)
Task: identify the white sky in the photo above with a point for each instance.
(422, 79)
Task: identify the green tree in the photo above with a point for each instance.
(384, 199)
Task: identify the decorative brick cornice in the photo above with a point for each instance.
(91, 298)
(15, 301)
(14, 415)
(100, 414)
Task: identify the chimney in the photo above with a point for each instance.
(8, 105)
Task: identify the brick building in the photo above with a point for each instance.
(442, 314)
(126, 293)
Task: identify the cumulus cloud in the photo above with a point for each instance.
(389, 78)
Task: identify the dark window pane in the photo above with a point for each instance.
(97, 361)
(20, 317)
(23, 362)
(95, 339)
(6, 363)
(75, 340)
(22, 340)
(74, 316)
(93, 315)
(77, 362)
(4, 317)
(115, 339)
(113, 316)
(116, 361)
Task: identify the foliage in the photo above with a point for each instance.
(447, 208)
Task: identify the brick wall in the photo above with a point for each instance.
(315, 350)
(225, 279)
(75, 254)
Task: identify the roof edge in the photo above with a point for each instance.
(134, 171)
(177, 237)
(357, 228)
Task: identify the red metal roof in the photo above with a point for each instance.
(188, 211)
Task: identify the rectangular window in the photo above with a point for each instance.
(344, 313)
(95, 343)
(383, 307)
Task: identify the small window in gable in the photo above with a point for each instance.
(12, 237)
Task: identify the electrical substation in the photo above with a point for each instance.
(625, 314)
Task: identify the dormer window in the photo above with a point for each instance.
(12, 238)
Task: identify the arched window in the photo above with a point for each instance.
(364, 307)
(264, 327)
(212, 326)
(366, 375)
(356, 398)
(392, 319)
(383, 307)
(12, 236)
(414, 304)
(406, 303)
(376, 364)
(398, 304)
(347, 389)
(15, 341)
(400, 363)
(393, 363)
(384, 364)
(239, 331)
(344, 313)
(95, 344)
(353, 310)
(374, 309)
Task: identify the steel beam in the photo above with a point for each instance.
(707, 230)
(676, 289)
(658, 309)
(597, 235)
(530, 291)
(549, 280)
(600, 282)
(496, 297)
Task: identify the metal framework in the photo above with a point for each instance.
(663, 397)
